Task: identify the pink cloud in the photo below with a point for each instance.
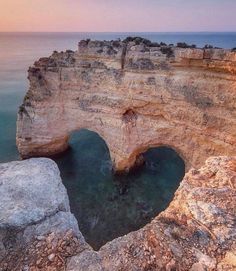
(111, 15)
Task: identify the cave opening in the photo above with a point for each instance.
(107, 205)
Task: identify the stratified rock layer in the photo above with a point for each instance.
(196, 232)
(135, 95)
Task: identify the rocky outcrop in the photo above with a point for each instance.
(196, 232)
(135, 94)
(37, 229)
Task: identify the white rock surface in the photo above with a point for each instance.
(30, 191)
(33, 204)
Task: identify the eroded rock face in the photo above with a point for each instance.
(196, 232)
(135, 95)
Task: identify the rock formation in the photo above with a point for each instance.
(135, 94)
(35, 218)
(196, 232)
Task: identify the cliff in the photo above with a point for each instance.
(135, 94)
(196, 232)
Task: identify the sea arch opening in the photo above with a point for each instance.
(140, 154)
(108, 205)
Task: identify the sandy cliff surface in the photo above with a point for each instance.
(135, 95)
(196, 232)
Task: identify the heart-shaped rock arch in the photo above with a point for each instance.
(108, 205)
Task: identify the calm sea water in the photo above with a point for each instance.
(104, 207)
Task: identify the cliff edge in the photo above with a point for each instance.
(135, 94)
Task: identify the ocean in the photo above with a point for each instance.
(104, 208)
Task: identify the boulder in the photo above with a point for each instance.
(30, 191)
(37, 229)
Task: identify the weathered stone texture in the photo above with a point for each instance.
(196, 232)
(182, 98)
(35, 217)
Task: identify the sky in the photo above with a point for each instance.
(117, 15)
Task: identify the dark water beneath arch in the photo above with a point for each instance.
(108, 206)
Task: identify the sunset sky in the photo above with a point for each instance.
(117, 15)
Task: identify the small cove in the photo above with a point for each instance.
(108, 206)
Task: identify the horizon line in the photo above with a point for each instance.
(118, 32)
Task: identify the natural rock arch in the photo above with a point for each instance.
(95, 134)
(129, 150)
(134, 96)
(130, 160)
(135, 158)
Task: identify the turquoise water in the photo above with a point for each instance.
(106, 206)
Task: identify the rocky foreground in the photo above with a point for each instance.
(135, 94)
(196, 232)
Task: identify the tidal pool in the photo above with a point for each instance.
(108, 206)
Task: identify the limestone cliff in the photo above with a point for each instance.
(135, 94)
(196, 232)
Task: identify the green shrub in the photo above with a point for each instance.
(167, 51)
(208, 46)
(163, 44)
(185, 45)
